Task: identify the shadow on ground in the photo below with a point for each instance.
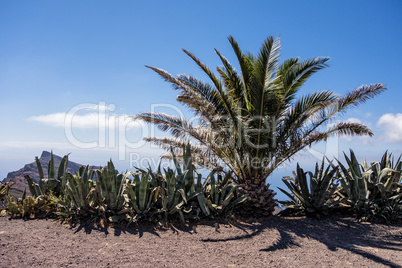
(339, 233)
(287, 232)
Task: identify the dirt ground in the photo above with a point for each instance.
(276, 242)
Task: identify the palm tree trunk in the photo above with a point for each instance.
(261, 202)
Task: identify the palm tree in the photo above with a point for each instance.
(251, 121)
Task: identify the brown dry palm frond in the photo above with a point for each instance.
(253, 119)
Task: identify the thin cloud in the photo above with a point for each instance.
(89, 116)
(364, 139)
(54, 120)
(88, 120)
(391, 124)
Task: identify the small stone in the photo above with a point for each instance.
(216, 227)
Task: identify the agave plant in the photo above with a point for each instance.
(154, 193)
(53, 183)
(374, 191)
(173, 195)
(111, 185)
(143, 194)
(251, 121)
(80, 186)
(223, 194)
(189, 179)
(81, 198)
(210, 197)
(183, 193)
(316, 197)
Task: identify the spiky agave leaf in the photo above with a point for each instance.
(317, 198)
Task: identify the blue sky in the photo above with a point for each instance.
(85, 60)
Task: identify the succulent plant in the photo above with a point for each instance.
(80, 195)
(111, 185)
(4, 188)
(317, 197)
(30, 207)
(222, 193)
(54, 183)
(173, 197)
(189, 184)
(374, 191)
(143, 193)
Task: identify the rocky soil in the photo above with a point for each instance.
(274, 242)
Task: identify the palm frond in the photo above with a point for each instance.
(210, 74)
(359, 96)
(245, 63)
(232, 80)
(299, 73)
(179, 127)
(167, 77)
